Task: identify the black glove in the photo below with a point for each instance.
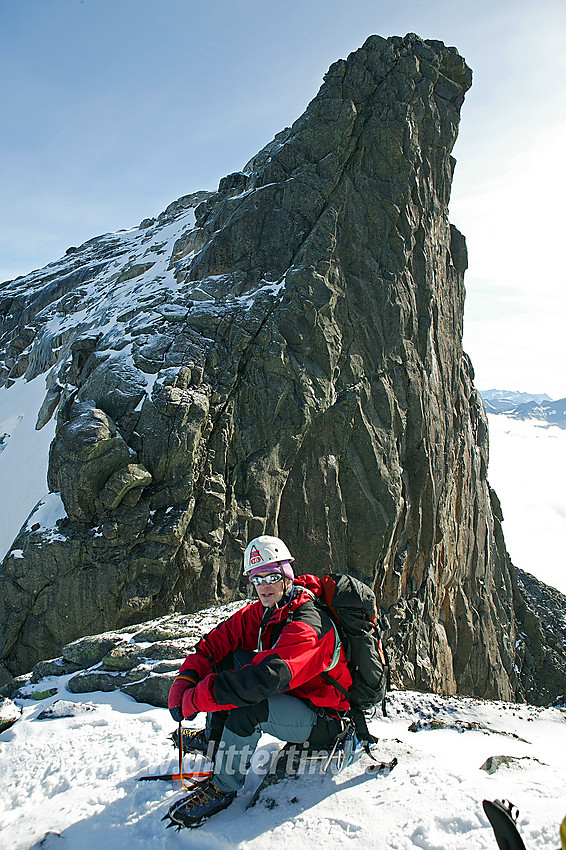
(176, 713)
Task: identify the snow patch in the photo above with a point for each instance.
(46, 513)
(24, 459)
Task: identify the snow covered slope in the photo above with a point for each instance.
(71, 782)
(23, 456)
(69, 769)
(106, 288)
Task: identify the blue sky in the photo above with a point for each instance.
(111, 109)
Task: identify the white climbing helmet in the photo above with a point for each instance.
(265, 550)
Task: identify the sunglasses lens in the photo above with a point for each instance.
(272, 578)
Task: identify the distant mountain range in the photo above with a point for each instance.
(526, 406)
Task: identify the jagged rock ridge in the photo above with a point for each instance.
(283, 355)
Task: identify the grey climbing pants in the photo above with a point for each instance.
(283, 716)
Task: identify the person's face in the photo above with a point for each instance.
(270, 594)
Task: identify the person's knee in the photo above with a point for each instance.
(245, 720)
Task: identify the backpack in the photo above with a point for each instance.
(359, 627)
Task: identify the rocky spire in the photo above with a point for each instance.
(283, 356)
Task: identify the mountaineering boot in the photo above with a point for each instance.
(199, 805)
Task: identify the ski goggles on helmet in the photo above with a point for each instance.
(270, 578)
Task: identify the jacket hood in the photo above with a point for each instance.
(310, 582)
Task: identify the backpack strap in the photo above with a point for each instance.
(336, 653)
(359, 721)
(337, 642)
(268, 613)
(332, 681)
(356, 714)
(264, 621)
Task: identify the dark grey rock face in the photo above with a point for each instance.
(541, 650)
(281, 356)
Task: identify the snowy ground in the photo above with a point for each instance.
(527, 469)
(70, 783)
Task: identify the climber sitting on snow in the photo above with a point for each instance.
(259, 671)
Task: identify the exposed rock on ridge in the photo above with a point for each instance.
(283, 355)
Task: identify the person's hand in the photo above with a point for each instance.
(188, 707)
(184, 681)
(176, 713)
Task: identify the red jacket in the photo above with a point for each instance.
(296, 646)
